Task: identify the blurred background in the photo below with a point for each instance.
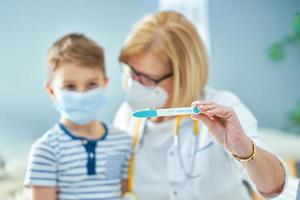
(253, 48)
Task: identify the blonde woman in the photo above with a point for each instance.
(207, 157)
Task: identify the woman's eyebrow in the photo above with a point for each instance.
(141, 73)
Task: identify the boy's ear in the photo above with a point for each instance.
(49, 89)
(106, 80)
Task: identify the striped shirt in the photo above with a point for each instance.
(78, 167)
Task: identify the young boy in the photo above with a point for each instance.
(78, 158)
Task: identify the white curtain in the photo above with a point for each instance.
(195, 10)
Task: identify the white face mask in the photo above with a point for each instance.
(139, 96)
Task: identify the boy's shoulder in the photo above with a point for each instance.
(49, 139)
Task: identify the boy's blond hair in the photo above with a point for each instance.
(175, 41)
(77, 49)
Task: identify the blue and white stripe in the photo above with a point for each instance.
(59, 159)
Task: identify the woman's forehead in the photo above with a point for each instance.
(148, 63)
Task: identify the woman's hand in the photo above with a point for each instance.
(224, 125)
(265, 170)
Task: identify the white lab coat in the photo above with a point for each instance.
(158, 174)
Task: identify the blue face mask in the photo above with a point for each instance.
(79, 107)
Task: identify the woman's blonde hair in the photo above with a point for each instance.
(175, 41)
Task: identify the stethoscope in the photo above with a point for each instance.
(189, 173)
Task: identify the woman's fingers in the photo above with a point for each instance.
(222, 112)
(202, 103)
(205, 108)
(213, 110)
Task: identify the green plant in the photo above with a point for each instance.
(276, 52)
(295, 115)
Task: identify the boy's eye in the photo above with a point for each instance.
(69, 87)
(92, 85)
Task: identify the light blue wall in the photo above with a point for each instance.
(28, 28)
(241, 33)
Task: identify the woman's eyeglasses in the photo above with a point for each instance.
(143, 78)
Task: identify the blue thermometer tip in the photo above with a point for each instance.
(145, 113)
(196, 110)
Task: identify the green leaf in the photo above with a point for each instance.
(296, 24)
(276, 52)
(295, 115)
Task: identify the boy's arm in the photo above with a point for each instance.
(44, 193)
(41, 175)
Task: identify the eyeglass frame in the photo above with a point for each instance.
(146, 77)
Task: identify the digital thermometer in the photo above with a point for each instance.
(146, 113)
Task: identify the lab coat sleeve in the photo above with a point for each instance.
(249, 124)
